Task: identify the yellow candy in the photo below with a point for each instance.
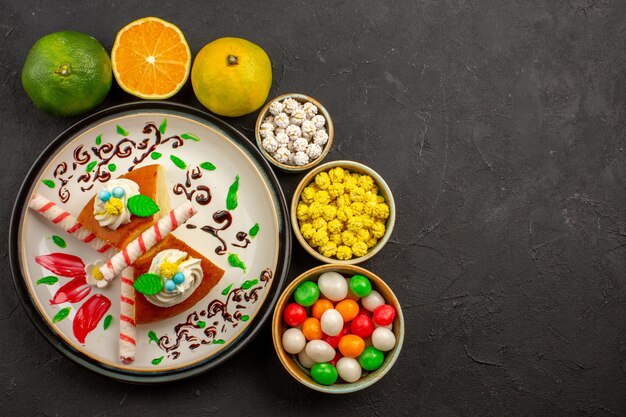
(357, 207)
(357, 194)
(344, 253)
(349, 184)
(319, 223)
(329, 213)
(377, 230)
(322, 197)
(359, 248)
(335, 226)
(315, 210)
(380, 199)
(344, 213)
(329, 249)
(370, 197)
(372, 242)
(367, 221)
(336, 174)
(381, 211)
(114, 206)
(368, 208)
(343, 200)
(319, 238)
(335, 238)
(307, 230)
(302, 211)
(335, 190)
(348, 238)
(364, 235)
(322, 180)
(355, 176)
(366, 182)
(307, 194)
(354, 224)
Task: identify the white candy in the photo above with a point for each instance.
(308, 129)
(270, 144)
(293, 132)
(349, 369)
(293, 340)
(282, 139)
(319, 121)
(266, 129)
(276, 107)
(300, 144)
(282, 155)
(300, 159)
(314, 151)
(297, 117)
(320, 351)
(290, 105)
(383, 339)
(310, 109)
(305, 360)
(331, 322)
(372, 301)
(278, 130)
(320, 137)
(269, 119)
(333, 286)
(281, 120)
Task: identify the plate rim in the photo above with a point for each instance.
(239, 343)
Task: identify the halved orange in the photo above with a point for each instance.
(151, 58)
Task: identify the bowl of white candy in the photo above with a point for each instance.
(294, 132)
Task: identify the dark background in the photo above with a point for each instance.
(499, 126)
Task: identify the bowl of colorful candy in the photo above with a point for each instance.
(343, 212)
(294, 132)
(338, 328)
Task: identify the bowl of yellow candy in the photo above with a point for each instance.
(343, 212)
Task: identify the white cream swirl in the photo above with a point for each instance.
(191, 268)
(110, 220)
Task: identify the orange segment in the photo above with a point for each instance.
(151, 58)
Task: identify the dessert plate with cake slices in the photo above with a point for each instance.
(149, 242)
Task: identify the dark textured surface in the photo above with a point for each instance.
(499, 125)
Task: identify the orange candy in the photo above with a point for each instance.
(351, 345)
(312, 329)
(320, 306)
(348, 309)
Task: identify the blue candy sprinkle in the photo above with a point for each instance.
(170, 285)
(118, 192)
(104, 195)
(179, 277)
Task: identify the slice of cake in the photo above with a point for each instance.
(186, 277)
(108, 216)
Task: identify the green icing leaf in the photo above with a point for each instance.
(142, 206)
(219, 342)
(153, 337)
(112, 167)
(163, 126)
(208, 166)
(235, 262)
(91, 166)
(49, 280)
(61, 315)
(58, 240)
(107, 321)
(121, 130)
(227, 289)
(157, 361)
(148, 284)
(231, 198)
(249, 284)
(190, 136)
(99, 139)
(48, 183)
(201, 324)
(178, 162)
(245, 318)
(254, 230)
(155, 155)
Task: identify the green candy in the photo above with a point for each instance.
(360, 286)
(371, 359)
(307, 294)
(324, 373)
